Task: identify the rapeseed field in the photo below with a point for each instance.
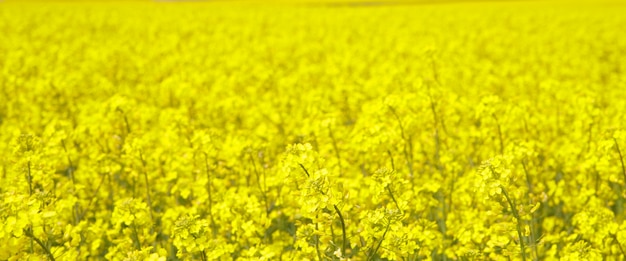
(312, 130)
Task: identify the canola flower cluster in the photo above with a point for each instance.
(312, 131)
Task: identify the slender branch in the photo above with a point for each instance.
(332, 137)
(305, 171)
(203, 256)
(125, 119)
(92, 199)
(589, 136)
(317, 244)
(145, 176)
(519, 220)
(499, 134)
(69, 160)
(127, 124)
(341, 219)
(529, 184)
(343, 230)
(532, 221)
(208, 188)
(621, 158)
(393, 198)
(437, 139)
(393, 165)
(29, 233)
(435, 71)
(379, 242)
(70, 171)
(619, 244)
(258, 181)
(136, 236)
(407, 141)
(29, 178)
(332, 233)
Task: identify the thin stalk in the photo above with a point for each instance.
(203, 256)
(304, 169)
(499, 134)
(437, 139)
(435, 71)
(136, 236)
(589, 137)
(619, 244)
(341, 219)
(379, 242)
(29, 233)
(452, 184)
(529, 184)
(332, 233)
(145, 176)
(432, 104)
(621, 158)
(408, 147)
(336, 148)
(532, 221)
(208, 188)
(519, 220)
(29, 178)
(393, 166)
(69, 160)
(317, 244)
(437, 162)
(258, 181)
(92, 199)
(70, 170)
(127, 125)
(343, 230)
(393, 198)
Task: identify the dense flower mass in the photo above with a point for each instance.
(312, 130)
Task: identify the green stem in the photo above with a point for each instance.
(317, 243)
(304, 169)
(29, 233)
(408, 147)
(343, 230)
(499, 134)
(621, 159)
(619, 244)
(332, 137)
(208, 188)
(29, 178)
(393, 165)
(532, 221)
(258, 181)
(145, 176)
(136, 240)
(393, 198)
(379, 242)
(519, 220)
(437, 139)
(92, 199)
(343, 223)
(69, 160)
(70, 171)
(127, 125)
